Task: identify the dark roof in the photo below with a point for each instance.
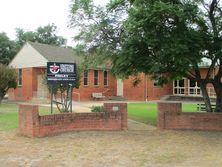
(56, 53)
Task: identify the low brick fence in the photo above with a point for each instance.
(170, 116)
(33, 125)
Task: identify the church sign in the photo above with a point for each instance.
(61, 73)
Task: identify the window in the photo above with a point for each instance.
(156, 83)
(85, 77)
(20, 77)
(105, 81)
(179, 87)
(181, 83)
(96, 77)
(157, 80)
(194, 88)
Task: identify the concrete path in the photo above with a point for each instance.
(81, 106)
(138, 126)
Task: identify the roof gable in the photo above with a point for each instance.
(37, 55)
(28, 57)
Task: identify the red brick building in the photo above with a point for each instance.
(185, 87)
(31, 61)
(146, 90)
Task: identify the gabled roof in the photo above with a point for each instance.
(37, 55)
(56, 53)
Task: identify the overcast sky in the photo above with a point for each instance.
(30, 14)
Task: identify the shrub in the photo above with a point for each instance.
(8, 79)
(98, 109)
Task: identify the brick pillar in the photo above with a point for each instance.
(28, 120)
(122, 108)
(169, 107)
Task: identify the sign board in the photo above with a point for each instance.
(61, 73)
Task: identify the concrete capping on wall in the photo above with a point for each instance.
(170, 116)
(31, 124)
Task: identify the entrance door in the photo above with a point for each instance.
(119, 87)
(41, 88)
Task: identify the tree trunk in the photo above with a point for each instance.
(218, 90)
(206, 98)
(1, 96)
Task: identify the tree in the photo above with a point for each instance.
(8, 79)
(7, 49)
(163, 38)
(22, 36)
(45, 35)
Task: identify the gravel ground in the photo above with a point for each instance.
(139, 146)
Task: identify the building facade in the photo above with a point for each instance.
(30, 63)
(186, 87)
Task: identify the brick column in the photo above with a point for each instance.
(28, 120)
(170, 108)
(119, 107)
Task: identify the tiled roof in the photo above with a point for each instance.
(56, 53)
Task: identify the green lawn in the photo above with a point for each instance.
(189, 107)
(147, 112)
(9, 115)
(143, 112)
(47, 110)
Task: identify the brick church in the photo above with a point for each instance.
(30, 63)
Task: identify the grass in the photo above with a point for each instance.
(9, 115)
(189, 107)
(143, 112)
(147, 112)
(47, 110)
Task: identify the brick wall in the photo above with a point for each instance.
(33, 125)
(145, 88)
(30, 84)
(86, 91)
(171, 117)
(28, 119)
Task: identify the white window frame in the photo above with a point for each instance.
(107, 78)
(178, 88)
(94, 77)
(196, 88)
(87, 77)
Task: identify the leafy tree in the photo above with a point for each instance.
(22, 36)
(164, 38)
(45, 35)
(8, 79)
(7, 49)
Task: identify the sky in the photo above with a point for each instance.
(30, 14)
